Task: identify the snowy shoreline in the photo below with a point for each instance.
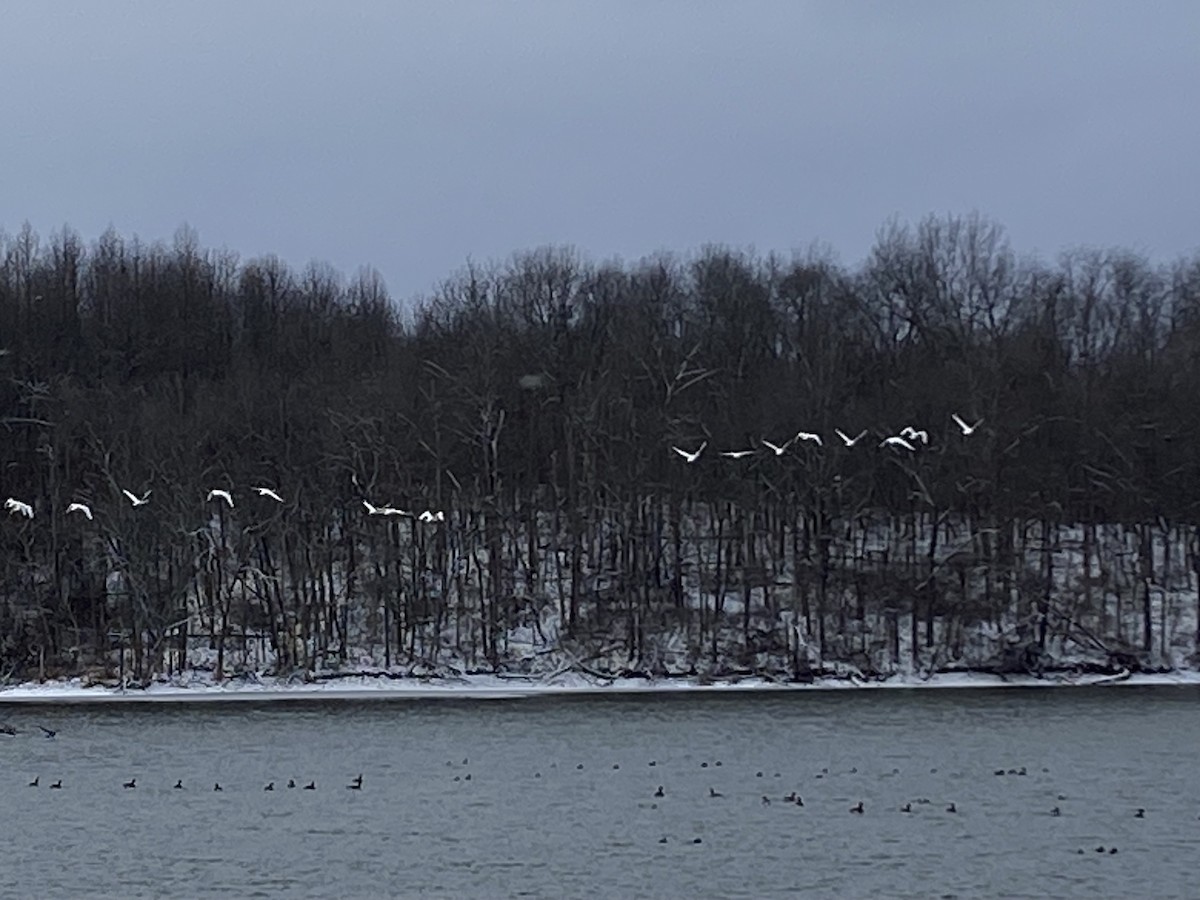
(492, 687)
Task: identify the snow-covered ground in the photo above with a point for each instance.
(493, 687)
(901, 599)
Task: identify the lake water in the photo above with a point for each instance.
(531, 823)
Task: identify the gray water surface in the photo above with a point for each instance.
(531, 823)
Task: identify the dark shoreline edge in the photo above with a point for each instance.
(368, 685)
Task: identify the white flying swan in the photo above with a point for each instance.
(967, 430)
(778, 449)
(691, 457)
(373, 510)
(218, 494)
(897, 441)
(267, 492)
(16, 507)
(847, 440)
(80, 508)
(135, 499)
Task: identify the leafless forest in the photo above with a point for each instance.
(536, 401)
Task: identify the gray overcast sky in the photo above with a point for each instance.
(411, 136)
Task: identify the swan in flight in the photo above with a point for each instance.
(16, 507)
(218, 494)
(967, 430)
(737, 454)
(847, 440)
(135, 499)
(431, 516)
(691, 457)
(391, 511)
(373, 510)
(778, 449)
(267, 492)
(809, 436)
(80, 508)
(913, 435)
(896, 441)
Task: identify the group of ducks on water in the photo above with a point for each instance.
(793, 798)
(17, 507)
(906, 439)
(355, 785)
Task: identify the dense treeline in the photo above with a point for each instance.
(536, 403)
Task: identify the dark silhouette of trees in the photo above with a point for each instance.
(536, 402)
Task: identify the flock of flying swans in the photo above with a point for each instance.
(906, 439)
(17, 507)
